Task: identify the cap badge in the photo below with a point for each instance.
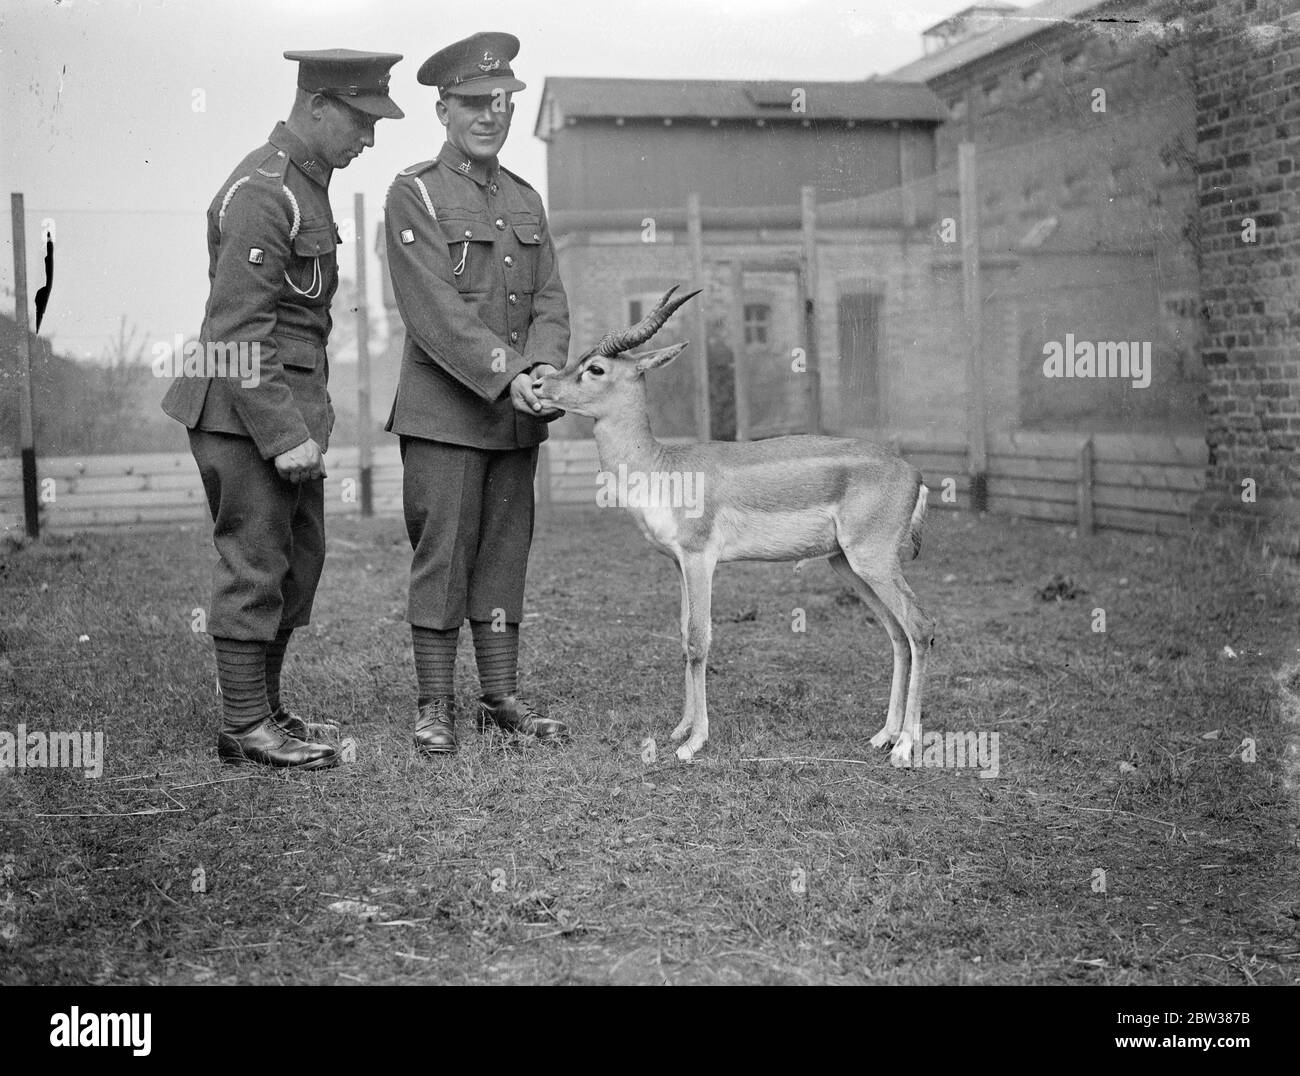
(489, 63)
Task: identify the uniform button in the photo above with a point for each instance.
(513, 297)
(492, 187)
(508, 260)
(469, 234)
(514, 335)
(536, 237)
(500, 223)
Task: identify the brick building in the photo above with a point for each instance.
(1248, 141)
(624, 158)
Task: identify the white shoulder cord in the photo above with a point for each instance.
(424, 194)
(428, 204)
(221, 215)
(297, 213)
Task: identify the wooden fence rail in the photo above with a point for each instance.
(1123, 481)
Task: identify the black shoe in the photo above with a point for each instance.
(509, 713)
(300, 729)
(435, 726)
(267, 743)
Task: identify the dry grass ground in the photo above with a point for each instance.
(588, 865)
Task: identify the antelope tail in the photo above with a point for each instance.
(918, 519)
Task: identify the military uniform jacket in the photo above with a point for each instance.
(476, 281)
(272, 272)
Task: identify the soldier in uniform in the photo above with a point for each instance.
(476, 281)
(258, 441)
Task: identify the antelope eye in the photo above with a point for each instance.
(595, 371)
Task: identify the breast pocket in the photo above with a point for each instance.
(470, 249)
(528, 235)
(313, 260)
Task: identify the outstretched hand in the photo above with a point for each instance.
(525, 400)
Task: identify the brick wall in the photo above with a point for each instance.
(1248, 146)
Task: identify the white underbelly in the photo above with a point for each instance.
(775, 535)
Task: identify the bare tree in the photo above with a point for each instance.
(115, 401)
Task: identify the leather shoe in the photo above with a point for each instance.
(301, 729)
(267, 743)
(435, 726)
(510, 713)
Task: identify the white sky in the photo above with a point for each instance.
(98, 129)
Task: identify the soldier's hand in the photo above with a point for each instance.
(301, 464)
(523, 398)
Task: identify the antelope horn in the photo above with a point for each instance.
(615, 343)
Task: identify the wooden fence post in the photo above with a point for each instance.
(740, 366)
(1084, 492)
(27, 428)
(808, 231)
(695, 232)
(973, 304)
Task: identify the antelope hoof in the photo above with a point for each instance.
(681, 730)
(881, 738)
(687, 751)
(901, 755)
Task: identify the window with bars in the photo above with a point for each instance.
(758, 323)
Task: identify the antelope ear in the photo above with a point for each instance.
(652, 360)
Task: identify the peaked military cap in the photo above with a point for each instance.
(475, 67)
(359, 79)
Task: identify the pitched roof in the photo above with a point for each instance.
(635, 98)
(1013, 27)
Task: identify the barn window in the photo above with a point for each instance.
(758, 319)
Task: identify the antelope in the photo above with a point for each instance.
(788, 498)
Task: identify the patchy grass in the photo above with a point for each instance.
(587, 865)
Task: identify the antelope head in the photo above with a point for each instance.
(587, 384)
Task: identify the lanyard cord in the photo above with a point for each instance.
(317, 284)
